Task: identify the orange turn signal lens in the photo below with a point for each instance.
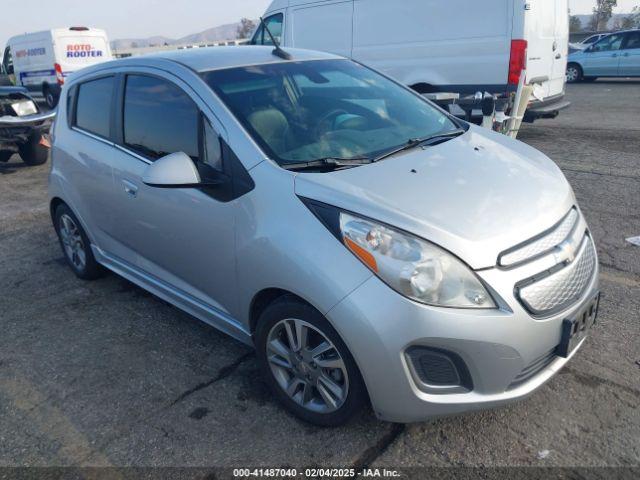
(362, 254)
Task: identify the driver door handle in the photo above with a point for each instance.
(614, 54)
(130, 188)
(558, 56)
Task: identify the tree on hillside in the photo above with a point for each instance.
(617, 24)
(575, 24)
(632, 20)
(245, 28)
(602, 14)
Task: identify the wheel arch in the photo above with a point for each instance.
(266, 297)
(54, 204)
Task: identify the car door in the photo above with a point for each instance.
(630, 55)
(180, 238)
(603, 58)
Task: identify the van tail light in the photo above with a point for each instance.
(517, 61)
(59, 75)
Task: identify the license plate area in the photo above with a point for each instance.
(576, 328)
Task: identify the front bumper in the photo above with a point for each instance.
(508, 353)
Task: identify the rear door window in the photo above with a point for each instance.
(632, 41)
(159, 118)
(93, 106)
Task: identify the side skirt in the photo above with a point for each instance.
(178, 298)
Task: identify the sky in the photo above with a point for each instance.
(145, 18)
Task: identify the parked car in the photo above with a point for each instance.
(367, 243)
(41, 61)
(616, 55)
(482, 47)
(23, 126)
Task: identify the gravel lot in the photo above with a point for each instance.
(105, 374)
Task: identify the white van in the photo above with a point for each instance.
(461, 46)
(40, 61)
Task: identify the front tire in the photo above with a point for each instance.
(75, 245)
(574, 73)
(307, 365)
(33, 152)
(50, 97)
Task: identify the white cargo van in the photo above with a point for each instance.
(40, 61)
(461, 46)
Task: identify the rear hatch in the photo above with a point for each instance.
(547, 35)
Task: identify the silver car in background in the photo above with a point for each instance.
(372, 247)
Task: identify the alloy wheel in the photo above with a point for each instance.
(307, 366)
(72, 242)
(572, 74)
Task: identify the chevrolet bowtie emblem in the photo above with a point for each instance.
(566, 252)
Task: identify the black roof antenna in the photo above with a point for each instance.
(277, 51)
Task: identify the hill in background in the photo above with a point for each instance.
(215, 34)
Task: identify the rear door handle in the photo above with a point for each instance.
(130, 188)
(625, 54)
(614, 55)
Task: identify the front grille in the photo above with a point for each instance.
(541, 244)
(555, 290)
(531, 370)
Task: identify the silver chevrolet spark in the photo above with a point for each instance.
(371, 247)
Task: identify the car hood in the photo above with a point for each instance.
(476, 195)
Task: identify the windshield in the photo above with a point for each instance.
(306, 111)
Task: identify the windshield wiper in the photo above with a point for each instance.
(418, 142)
(327, 162)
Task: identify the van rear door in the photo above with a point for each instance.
(76, 51)
(547, 35)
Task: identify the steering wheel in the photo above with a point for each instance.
(327, 121)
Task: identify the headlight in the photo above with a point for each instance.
(412, 266)
(24, 107)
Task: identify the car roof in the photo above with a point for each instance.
(215, 58)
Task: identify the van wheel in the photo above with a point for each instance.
(32, 152)
(50, 98)
(75, 244)
(307, 365)
(574, 73)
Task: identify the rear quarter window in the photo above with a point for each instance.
(93, 106)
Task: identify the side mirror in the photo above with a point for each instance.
(175, 170)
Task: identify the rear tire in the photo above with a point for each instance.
(323, 388)
(574, 73)
(32, 152)
(75, 244)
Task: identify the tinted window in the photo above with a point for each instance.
(159, 118)
(274, 24)
(93, 111)
(633, 40)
